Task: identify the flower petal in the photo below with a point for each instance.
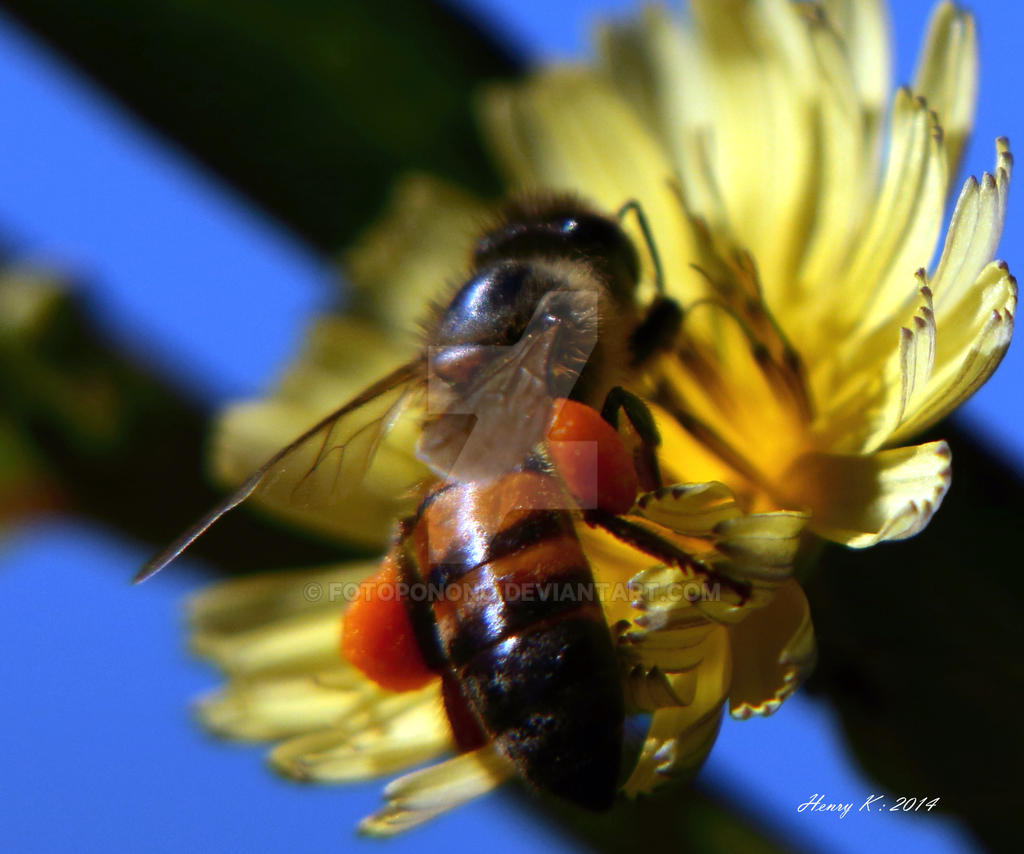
(760, 78)
(969, 353)
(853, 53)
(413, 253)
(729, 394)
(974, 233)
(670, 650)
(761, 546)
(961, 329)
(649, 690)
(773, 652)
(757, 552)
(898, 237)
(847, 172)
(975, 299)
(892, 382)
(384, 745)
(239, 604)
(689, 508)
(280, 707)
(684, 458)
(749, 554)
(304, 642)
(864, 27)
(423, 795)
(676, 746)
(862, 500)
(947, 75)
(679, 739)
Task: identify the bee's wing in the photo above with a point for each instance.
(493, 427)
(335, 451)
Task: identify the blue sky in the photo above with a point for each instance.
(100, 753)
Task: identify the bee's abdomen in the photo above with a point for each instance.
(519, 623)
(551, 699)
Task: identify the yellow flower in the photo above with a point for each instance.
(815, 340)
(752, 136)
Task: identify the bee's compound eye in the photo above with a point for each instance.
(377, 637)
(591, 458)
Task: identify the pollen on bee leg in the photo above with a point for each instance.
(377, 637)
(591, 458)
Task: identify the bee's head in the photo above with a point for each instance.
(563, 228)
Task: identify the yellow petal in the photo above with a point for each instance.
(417, 733)
(689, 508)
(757, 552)
(971, 307)
(245, 603)
(733, 392)
(854, 62)
(973, 235)
(898, 238)
(761, 546)
(864, 27)
(262, 710)
(745, 557)
(845, 181)
(892, 381)
(656, 67)
(975, 299)
(649, 690)
(947, 75)
(684, 458)
(423, 795)
(645, 61)
(612, 560)
(760, 77)
(675, 747)
(968, 353)
(670, 650)
(678, 738)
(862, 500)
(773, 652)
(413, 253)
(304, 642)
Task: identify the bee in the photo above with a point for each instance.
(521, 385)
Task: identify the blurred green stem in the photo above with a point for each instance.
(99, 435)
(310, 107)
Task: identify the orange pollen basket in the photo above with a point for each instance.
(591, 458)
(377, 637)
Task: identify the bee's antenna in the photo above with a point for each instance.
(634, 206)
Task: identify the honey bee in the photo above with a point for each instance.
(524, 430)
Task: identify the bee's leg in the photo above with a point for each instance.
(633, 206)
(647, 541)
(657, 332)
(645, 458)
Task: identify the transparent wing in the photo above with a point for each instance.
(330, 457)
(492, 427)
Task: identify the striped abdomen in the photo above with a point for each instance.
(508, 613)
